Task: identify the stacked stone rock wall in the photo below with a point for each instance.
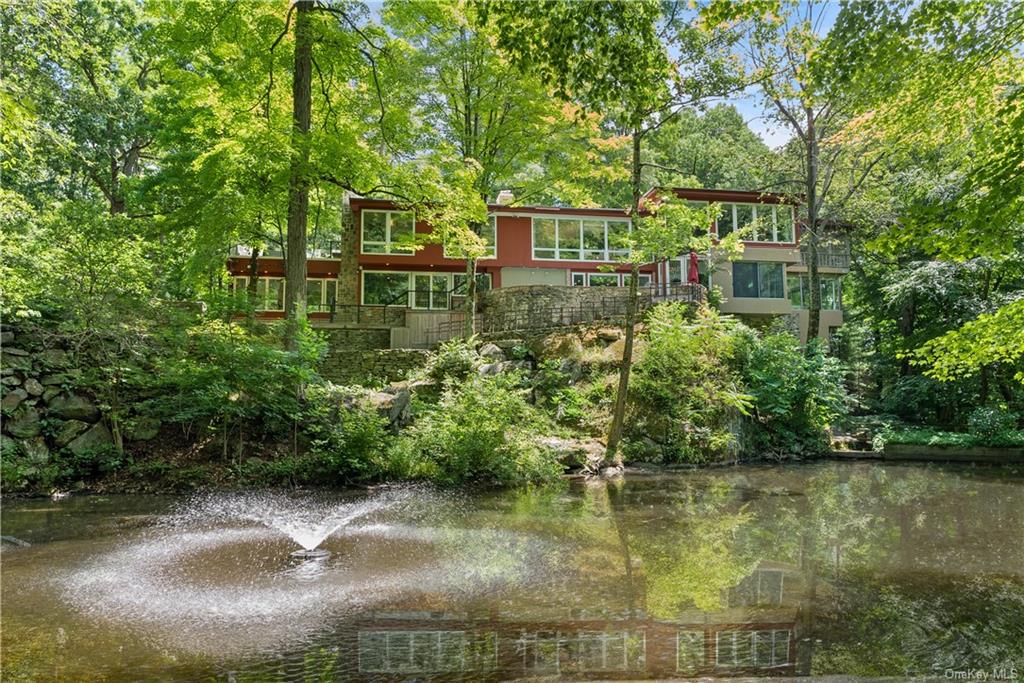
(357, 338)
(42, 411)
(349, 366)
(538, 297)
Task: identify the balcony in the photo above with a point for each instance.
(832, 253)
(329, 249)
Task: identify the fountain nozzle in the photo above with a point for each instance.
(315, 553)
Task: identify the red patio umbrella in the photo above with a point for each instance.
(693, 276)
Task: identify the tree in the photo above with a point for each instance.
(475, 106)
(614, 58)
(782, 49)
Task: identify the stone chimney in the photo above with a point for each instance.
(505, 197)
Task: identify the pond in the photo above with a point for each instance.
(804, 570)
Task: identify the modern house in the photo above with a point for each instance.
(373, 277)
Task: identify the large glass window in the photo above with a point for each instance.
(489, 235)
(483, 282)
(800, 293)
(761, 649)
(689, 650)
(384, 288)
(573, 239)
(387, 232)
(766, 222)
(757, 280)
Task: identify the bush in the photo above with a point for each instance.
(346, 443)
(454, 360)
(684, 395)
(988, 422)
(552, 391)
(480, 430)
(797, 393)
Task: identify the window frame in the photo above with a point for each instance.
(646, 279)
(493, 221)
(410, 288)
(608, 253)
(730, 208)
(389, 244)
(262, 292)
(757, 279)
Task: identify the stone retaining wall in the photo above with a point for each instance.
(343, 366)
(357, 338)
(536, 297)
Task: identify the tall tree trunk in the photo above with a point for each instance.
(298, 184)
(813, 278)
(619, 413)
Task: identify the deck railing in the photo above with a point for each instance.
(831, 254)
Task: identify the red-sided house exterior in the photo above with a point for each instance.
(560, 246)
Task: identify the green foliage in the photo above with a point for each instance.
(454, 360)
(685, 396)
(481, 430)
(797, 394)
(346, 442)
(926, 436)
(988, 422)
(552, 390)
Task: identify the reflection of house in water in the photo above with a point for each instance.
(757, 632)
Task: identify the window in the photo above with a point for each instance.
(763, 587)
(489, 235)
(483, 282)
(607, 279)
(757, 280)
(269, 292)
(799, 291)
(320, 293)
(766, 222)
(387, 232)
(761, 649)
(689, 650)
(425, 651)
(603, 279)
(430, 291)
(579, 239)
(380, 289)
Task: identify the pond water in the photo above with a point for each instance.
(855, 568)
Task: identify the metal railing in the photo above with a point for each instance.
(612, 308)
(329, 249)
(831, 254)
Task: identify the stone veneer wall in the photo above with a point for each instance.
(505, 299)
(357, 338)
(348, 267)
(363, 367)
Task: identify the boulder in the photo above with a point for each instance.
(585, 453)
(67, 432)
(6, 337)
(33, 387)
(49, 393)
(558, 345)
(53, 358)
(24, 424)
(4, 371)
(13, 399)
(15, 362)
(492, 353)
(53, 380)
(35, 450)
(489, 369)
(15, 351)
(11, 380)
(94, 438)
(392, 407)
(142, 429)
(74, 407)
(608, 334)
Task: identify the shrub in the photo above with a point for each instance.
(797, 393)
(552, 390)
(346, 442)
(455, 359)
(480, 430)
(684, 395)
(988, 422)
